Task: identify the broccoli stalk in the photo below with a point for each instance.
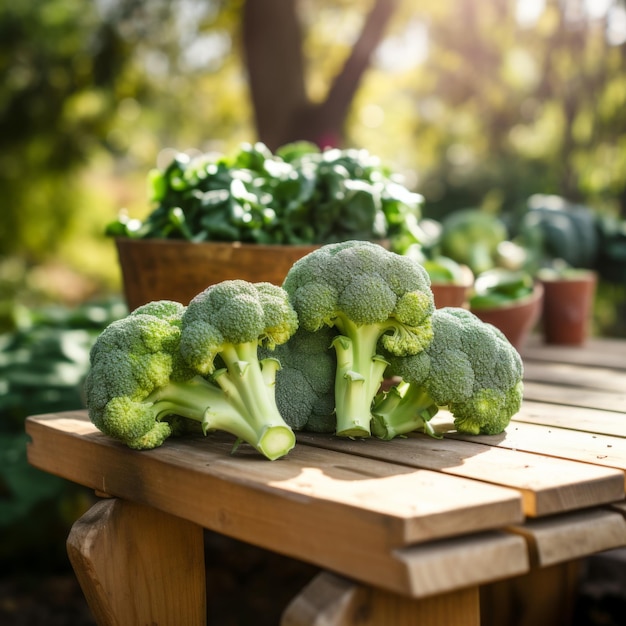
(403, 409)
(248, 383)
(374, 299)
(226, 325)
(360, 372)
(218, 406)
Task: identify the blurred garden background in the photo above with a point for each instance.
(476, 103)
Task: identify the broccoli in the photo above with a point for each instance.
(140, 390)
(305, 380)
(371, 296)
(470, 368)
(471, 237)
(222, 329)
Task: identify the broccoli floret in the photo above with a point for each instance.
(140, 390)
(470, 368)
(372, 297)
(221, 331)
(306, 379)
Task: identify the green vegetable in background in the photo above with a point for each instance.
(42, 366)
(554, 228)
(444, 270)
(500, 286)
(471, 237)
(298, 195)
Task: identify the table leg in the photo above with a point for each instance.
(331, 600)
(137, 565)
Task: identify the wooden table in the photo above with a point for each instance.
(411, 531)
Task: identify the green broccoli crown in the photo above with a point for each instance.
(471, 368)
(358, 283)
(231, 313)
(305, 380)
(130, 359)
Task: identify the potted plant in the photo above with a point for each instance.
(565, 242)
(253, 213)
(451, 282)
(508, 299)
(567, 303)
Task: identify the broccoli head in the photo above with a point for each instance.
(470, 368)
(140, 390)
(222, 330)
(305, 381)
(135, 369)
(373, 298)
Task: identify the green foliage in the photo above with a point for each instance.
(42, 365)
(60, 61)
(471, 237)
(500, 286)
(299, 195)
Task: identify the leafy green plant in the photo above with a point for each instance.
(500, 286)
(297, 195)
(42, 365)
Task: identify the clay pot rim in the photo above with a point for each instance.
(582, 276)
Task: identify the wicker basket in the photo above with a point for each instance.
(167, 269)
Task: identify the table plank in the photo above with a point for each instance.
(548, 485)
(465, 561)
(575, 396)
(563, 443)
(596, 352)
(574, 418)
(331, 504)
(572, 536)
(579, 376)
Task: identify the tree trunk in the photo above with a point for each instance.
(272, 41)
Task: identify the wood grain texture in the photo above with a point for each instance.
(331, 600)
(578, 376)
(596, 352)
(331, 504)
(586, 420)
(548, 485)
(575, 396)
(137, 565)
(569, 537)
(552, 441)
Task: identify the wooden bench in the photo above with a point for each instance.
(411, 531)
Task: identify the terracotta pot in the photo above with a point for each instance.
(447, 294)
(515, 319)
(568, 308)
(168, 269)
(450, 295)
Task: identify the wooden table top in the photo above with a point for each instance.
(415, 515)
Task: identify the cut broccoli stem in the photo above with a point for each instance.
(360, 372)
(249, 385)
(403, 409)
